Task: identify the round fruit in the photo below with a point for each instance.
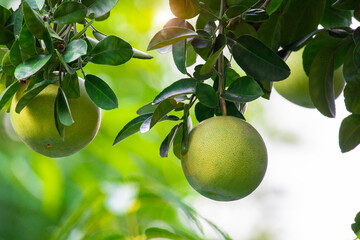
(296, 87)
(226, 158)
(35, 125)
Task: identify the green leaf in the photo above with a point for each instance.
(166, 144)
(179, 55)
(356, 56)
(300, 18)
(252, 55)
(147, 108)
(74, 50)
(31, 94)
(111, 50)
(27, 43)
(321, 82)
(98, 8)
(15, 53)
(230, 76)
(6, 35)
(48, 41)
(182, 86)
(81, 33)
(100, 93)
(335, 17)
(356, 225)
(206, 95)
(131, 128)
(202, 112)
(8, 93)
(199, 76)
(269, 31)
(350, 71)
(244, 89)
(141, 55)
(349, 134)
(31, 66)
(169, 36)
(273, 6)
(162, 110)
(347, 4)
(219, 46)
(6, 65)
(184, 9)
(66, 66)
(14, 4)
(70, 12)
(255, 15)
(177, 141)
(36, 4)
(18, 21)
(70, 85)
(33, 21)
(63, 109)
(352, 97)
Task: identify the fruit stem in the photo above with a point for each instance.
(221, 69)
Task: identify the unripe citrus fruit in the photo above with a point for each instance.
(226, 158)
(296, 87)
(35, 125)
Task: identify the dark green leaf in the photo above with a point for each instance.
(190, 55)
(321, 82)
(335, 17)
(111, 50)
(206, 95)
(352, 97)
(31, 94)
(169, 36)
(230, 76)
(300, 18)
(66, 66)
(347, 4)
(33, 21)
(81, 33)
(179, 55)
(100, 93)
(182, 86)
(186, 129)
(98, 8)
(199, 76)
(252, 55)
(59, 126)
(273, 6)
(36, 4)
(356, 225)
(70, 85)
(63, 110)
(48, 41)
(234, 110)
(244, 89)
(6, 65)
(15, 53)
(74, 50)
(255, 15)
(103, 17)
(350, 71)
(219, 46)
(18, 21)
(6, 35)
(184, 9)
(202, 112)
(27, 43)
(31, 66)
(8, 93)
(141, 55)
(269, 31)
(162, 110)
(177, 141)
(166, 144)
(131, 128)
(70, 12)
(147, 108)
(357, 55)
(349, 135)
(356, 35)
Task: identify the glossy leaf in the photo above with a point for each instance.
(70, 86)
(203, 112)
(321, 82)
(252, 55)
(36, 4)
(98, 8)
(48, 41)
(182, 86)
(111, 50)
(184, 9)
(244, 89)
(170, 35)
(162, 110)
(74, 50)
(8, 93)
(199, 76)
(179, 55)
(81, 33)
(349, 134)
(6, 65)
(65, 65)
(269, 31)
(206, 95)
(31, 66)
(347, 4)
(63, 110)
(334, 17)
(352, 96)
(166, 144)
(15, 53)
(31, 94)
(147, 108)
(255, 15)
(357, 55)
(6, 35)
(18, 21)
(273, 6)
(140, 54)
(100, 93)
(356, 225)
(33, 21)
(70, 12)
(177, 141)
(350, 71)
(27, 43)
(131, 128)
(219, 46)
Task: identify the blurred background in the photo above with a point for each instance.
(310, 190)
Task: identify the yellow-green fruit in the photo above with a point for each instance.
(296, 87)
(35, 125)
(226, 158)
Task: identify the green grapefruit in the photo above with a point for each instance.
(226, 158)
(35, 125)
(296, 87)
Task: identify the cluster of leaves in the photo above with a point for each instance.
(356, 226)
(45, 42)
(259, 36)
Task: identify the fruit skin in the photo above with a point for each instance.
(226, 158)
(296, 87)
(35, 125)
